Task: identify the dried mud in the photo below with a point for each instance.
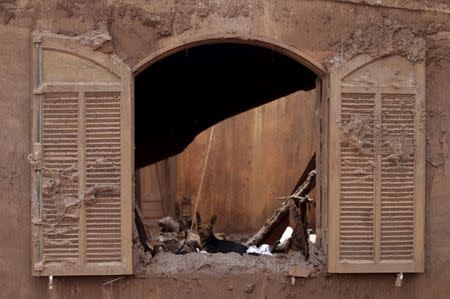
(165, 263)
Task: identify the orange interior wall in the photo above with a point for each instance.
(255, 157)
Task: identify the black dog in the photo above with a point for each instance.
(213, 245)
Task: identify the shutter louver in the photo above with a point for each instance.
(82, 160)
(376, 194)
(397, 178)
(103, 219)
(60, 147)
(357, 188)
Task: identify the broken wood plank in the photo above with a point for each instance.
(142, 232)
(282, 212)
(297, 220)
(310, 167)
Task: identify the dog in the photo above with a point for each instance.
(209, 241)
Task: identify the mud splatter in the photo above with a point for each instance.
(398, 148)
(379, 39)
(353, 133)
(95, 191)
(98, 40)
(67, 206)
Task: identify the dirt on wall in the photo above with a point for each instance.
(140, 28)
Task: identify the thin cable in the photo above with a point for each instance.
(197, 199)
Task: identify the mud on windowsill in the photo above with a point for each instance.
(167, 263)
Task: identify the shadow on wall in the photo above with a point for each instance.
(185, 93)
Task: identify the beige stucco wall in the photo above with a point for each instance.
(140, 28)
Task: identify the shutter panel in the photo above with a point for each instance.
(82, 160)
(377, 166)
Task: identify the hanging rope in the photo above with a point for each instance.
(197, 199)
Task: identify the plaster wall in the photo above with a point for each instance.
(328, 31)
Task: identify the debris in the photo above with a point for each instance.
(191, 243)
(309, 167)
(297, 220)
(144, 237)
(285, 238)
(113, 280)
(300, 271)
(50, 282)
(399, 280)
(142, 256)
(250, 287)
(264, 249)
(170, 241)
(312, 237)
(282, 212)
(168, 224)
(295, 205)
(193, 240)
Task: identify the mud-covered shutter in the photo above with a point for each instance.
(82, 160)
(377, 166)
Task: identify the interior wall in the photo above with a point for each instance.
(183, 94)
(255, 158)
(155, 191)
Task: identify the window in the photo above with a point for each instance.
(372, 163)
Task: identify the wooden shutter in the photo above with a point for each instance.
(82, 160)
(377, 166)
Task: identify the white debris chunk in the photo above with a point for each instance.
(286, 236)
(264, 249)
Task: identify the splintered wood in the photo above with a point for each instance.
(297, 197)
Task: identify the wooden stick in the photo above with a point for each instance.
(205, 163)
(140, 225)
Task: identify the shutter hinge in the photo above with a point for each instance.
(35, 158)
(37, 37)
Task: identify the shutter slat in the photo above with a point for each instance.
(103, 227)
(403, 215)
(53, 195)
(356, 191)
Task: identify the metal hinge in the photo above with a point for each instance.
(35, 158)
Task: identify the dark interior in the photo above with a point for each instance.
(187, 92)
